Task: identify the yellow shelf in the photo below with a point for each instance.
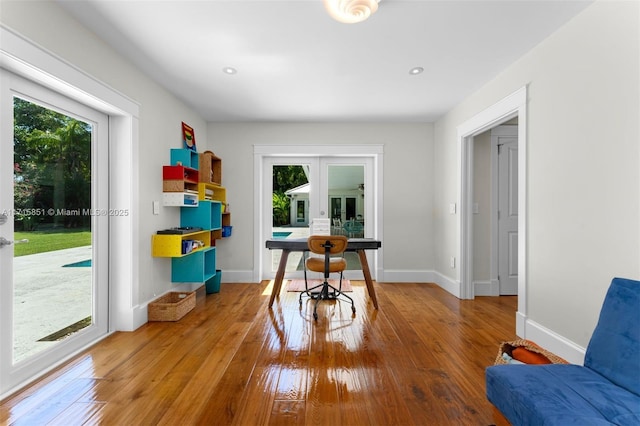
(170, 245)
(210, 191)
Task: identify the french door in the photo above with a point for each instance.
(337, 188)
(53, 229)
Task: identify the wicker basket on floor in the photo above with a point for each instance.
(507, 347)
(172, 306)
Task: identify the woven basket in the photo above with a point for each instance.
(508, 347)
(172, 306)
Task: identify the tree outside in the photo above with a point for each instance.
(52, 168)
(285, 178)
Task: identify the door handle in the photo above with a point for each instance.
(5, 242)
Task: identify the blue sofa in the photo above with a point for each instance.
(603, 391)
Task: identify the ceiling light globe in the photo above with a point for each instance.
(351, 11)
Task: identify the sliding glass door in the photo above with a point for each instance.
(53, 229)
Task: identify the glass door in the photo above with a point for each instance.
(290, 187)
(316, 187)
(342, 193)
(53, 229)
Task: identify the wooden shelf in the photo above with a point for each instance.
(210, 168)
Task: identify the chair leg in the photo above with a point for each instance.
(325, 294)
(308, 291)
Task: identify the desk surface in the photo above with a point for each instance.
(300, 244)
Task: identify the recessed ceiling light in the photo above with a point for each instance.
(229, 70)
(416, 70)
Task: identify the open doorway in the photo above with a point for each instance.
(495, 211)
(514, 105)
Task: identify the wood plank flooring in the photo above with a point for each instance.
(418, 360)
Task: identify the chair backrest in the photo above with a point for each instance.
(614, 348)
(317, 243)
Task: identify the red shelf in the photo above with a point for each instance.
(186, 174)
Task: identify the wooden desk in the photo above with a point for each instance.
(287, 245)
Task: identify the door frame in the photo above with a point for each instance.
(514, 105)
(14, 85)
(28, 60)
(261, 152)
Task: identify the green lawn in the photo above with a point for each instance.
(43, 241)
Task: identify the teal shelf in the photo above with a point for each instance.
(207, 215)
(186, 157)
(198, 267)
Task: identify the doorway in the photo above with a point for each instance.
(514, 105)
(305, 188)
(495, 211)
(323, 164)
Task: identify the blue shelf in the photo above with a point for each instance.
(186, 157)
(197, 267)
(207, 215)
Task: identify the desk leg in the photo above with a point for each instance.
(367, 277)
(277, 284)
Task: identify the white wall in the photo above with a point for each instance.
(161, 114)
(583, 204)
(408, 193)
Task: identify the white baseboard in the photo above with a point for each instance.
(448, 284)
(486, 288)
(140, 316)
(552, 341)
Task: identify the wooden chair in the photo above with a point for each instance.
(331, 247)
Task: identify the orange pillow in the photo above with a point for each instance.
(529, 357)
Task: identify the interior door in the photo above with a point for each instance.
(508, 215)
(53, 229)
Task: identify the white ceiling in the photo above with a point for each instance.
(295, 63)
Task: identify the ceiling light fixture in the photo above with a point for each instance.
(351, 11)
(416, 70)
(229, 70)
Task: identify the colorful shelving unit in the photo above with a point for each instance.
(203, 206)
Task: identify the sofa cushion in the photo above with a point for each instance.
(559, 394)
(614, 348)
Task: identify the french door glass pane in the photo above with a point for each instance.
(53, 292)
(290, 219)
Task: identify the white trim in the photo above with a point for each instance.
(509, 107)
(554, 342)
(486, 288)
(314, 150)
(27, 59)
(448, 284)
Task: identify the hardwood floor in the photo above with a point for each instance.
(418, 360)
